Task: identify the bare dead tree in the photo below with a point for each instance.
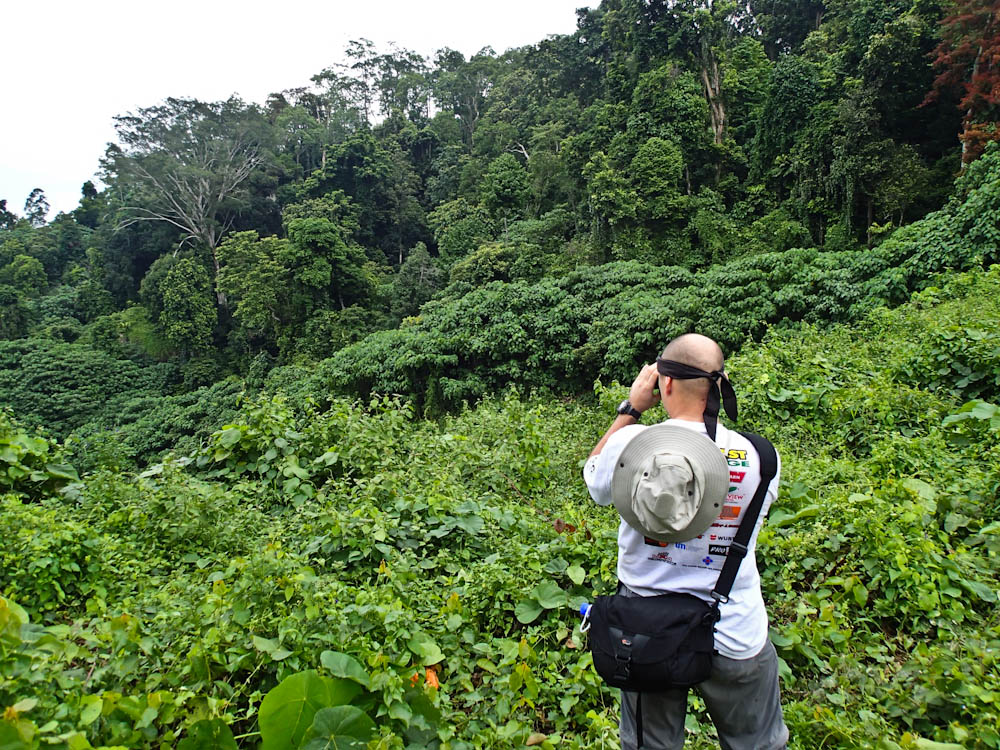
(185, 163)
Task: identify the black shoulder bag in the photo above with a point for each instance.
(655, 643)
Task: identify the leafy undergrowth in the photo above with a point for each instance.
(358, 576)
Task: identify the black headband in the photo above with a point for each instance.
(720, 388)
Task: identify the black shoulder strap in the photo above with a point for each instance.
(738, 547)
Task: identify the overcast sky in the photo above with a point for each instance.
(70, 66)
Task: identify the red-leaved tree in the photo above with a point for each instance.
(968, 59)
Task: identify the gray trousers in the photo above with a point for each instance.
(741, 696)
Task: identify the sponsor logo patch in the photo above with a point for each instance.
(730, 511)
(736, 458)
(717, 549)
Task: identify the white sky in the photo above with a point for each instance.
(69, 66)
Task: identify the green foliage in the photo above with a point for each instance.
(498, 261)
(50, 562)
(188, 315)
(63, 386)
(563, 333)
(29, 463)
(25, 274)
(288, 711)
(459, 228)
(346, 572)
(504, 191)
(418, 279)
(143, 427)
(305, 570)
(14, 313)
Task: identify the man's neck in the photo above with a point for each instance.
(689, 418)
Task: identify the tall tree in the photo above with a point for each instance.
(36, 207)
(784, 24)
(969, 60)
(7, 218)
(186, 163)
(707, 29)
(461, 86)
(88, 213)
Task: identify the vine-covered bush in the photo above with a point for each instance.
(562, 333)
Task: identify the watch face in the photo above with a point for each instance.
(624, 407)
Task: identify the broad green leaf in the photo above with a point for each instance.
(424, 646)
(781, 517)
(779, 640)
(955, 521)
(16, 734)
(208, 734)
(92, 706)
(925, 492)
(339, 728)
(287, 710)
(62, 471)
(230, 436)
(549, 595)
(487, 666)
(555, 566)
(271, 647)
(342, 665)
(267, 645)
(469, 524)
(146, 718)
(576, 574)
(981, 590)
(527, 611)
(77, 741)
(923, 744)
(860, 593)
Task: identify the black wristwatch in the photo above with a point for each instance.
(625, 407)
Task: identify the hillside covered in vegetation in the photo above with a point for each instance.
(433, 566)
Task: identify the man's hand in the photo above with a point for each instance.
(642, 394)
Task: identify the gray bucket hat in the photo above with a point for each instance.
(670, 483)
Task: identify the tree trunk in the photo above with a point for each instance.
(967, 120)
(711, 79)
(870, 219)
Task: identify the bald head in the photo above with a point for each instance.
(699, 351)
(695, 350)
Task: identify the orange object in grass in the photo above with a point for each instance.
(430, 674)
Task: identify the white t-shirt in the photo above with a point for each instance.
(692, 567)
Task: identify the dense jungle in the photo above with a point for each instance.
(293, 406)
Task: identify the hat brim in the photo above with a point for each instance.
(698, 449)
